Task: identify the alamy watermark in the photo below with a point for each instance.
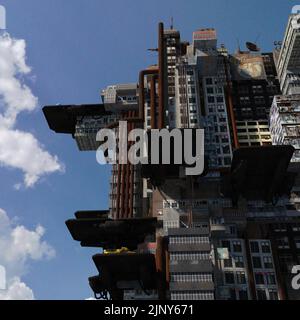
(132, 147)
(2, 18)
(296, 18)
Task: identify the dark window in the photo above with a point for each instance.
(268, 264)
(241, 278)
(211, 99)
(209, 81)
(210, 90)
(229, 277)
(256, 262)
(220, 99)
(254, 246)
(273, 295)
(261, 295)
(239, 262)
(226, 150)
(265, 246)
(237, 246)
(271, 279)
(243, 294)
(226, 244)
(227, 263)
(259, 278)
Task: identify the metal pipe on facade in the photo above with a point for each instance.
(161, 75)
(143, 73)
(127, 194)
(153, 101)
(230, 107)
(141, 116)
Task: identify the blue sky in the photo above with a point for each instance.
(75, 48)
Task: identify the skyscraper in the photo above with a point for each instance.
(226, 234)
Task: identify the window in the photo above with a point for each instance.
(259, 278)
(229, 277)
(271, 280)
(243, 294)
(283, 243)
(239, 262)
(268, 263)
(261, 295)
(220, 99)
(254, 246)
(232, 229)
(273, 294)
(226, 244)
(237, 246)
(226, 150)
(265, 247)
(228, 263)
(211, 99)
(209, 81)
(210, 90)
(241, 277)
(256, 262)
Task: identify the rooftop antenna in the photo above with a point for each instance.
(172, 23)
(239, 45)
(257, 38)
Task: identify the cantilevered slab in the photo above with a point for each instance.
(100, 214)
(111, 234)
(259, 173)
(122, 270)
(63, 118)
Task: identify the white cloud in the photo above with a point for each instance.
(18, 246)
(17, 290)
(19, 149)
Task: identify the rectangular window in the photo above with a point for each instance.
(256, 262)
(210, 90)
(228, 263)
(265, 247)
(254, 246)
(261, 295)
(209, 81)
(243, 294)
(237, 246)
(239, 262)
(268, 263)
(283, 243)
(241, 277)
(259, 278)
(273, 294)
(211, 99)
(229, 277)
(226, 244)
(271, 280)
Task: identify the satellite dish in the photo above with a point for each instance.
(252, 47)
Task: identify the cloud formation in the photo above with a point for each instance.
(19, 149)
(19, 246)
